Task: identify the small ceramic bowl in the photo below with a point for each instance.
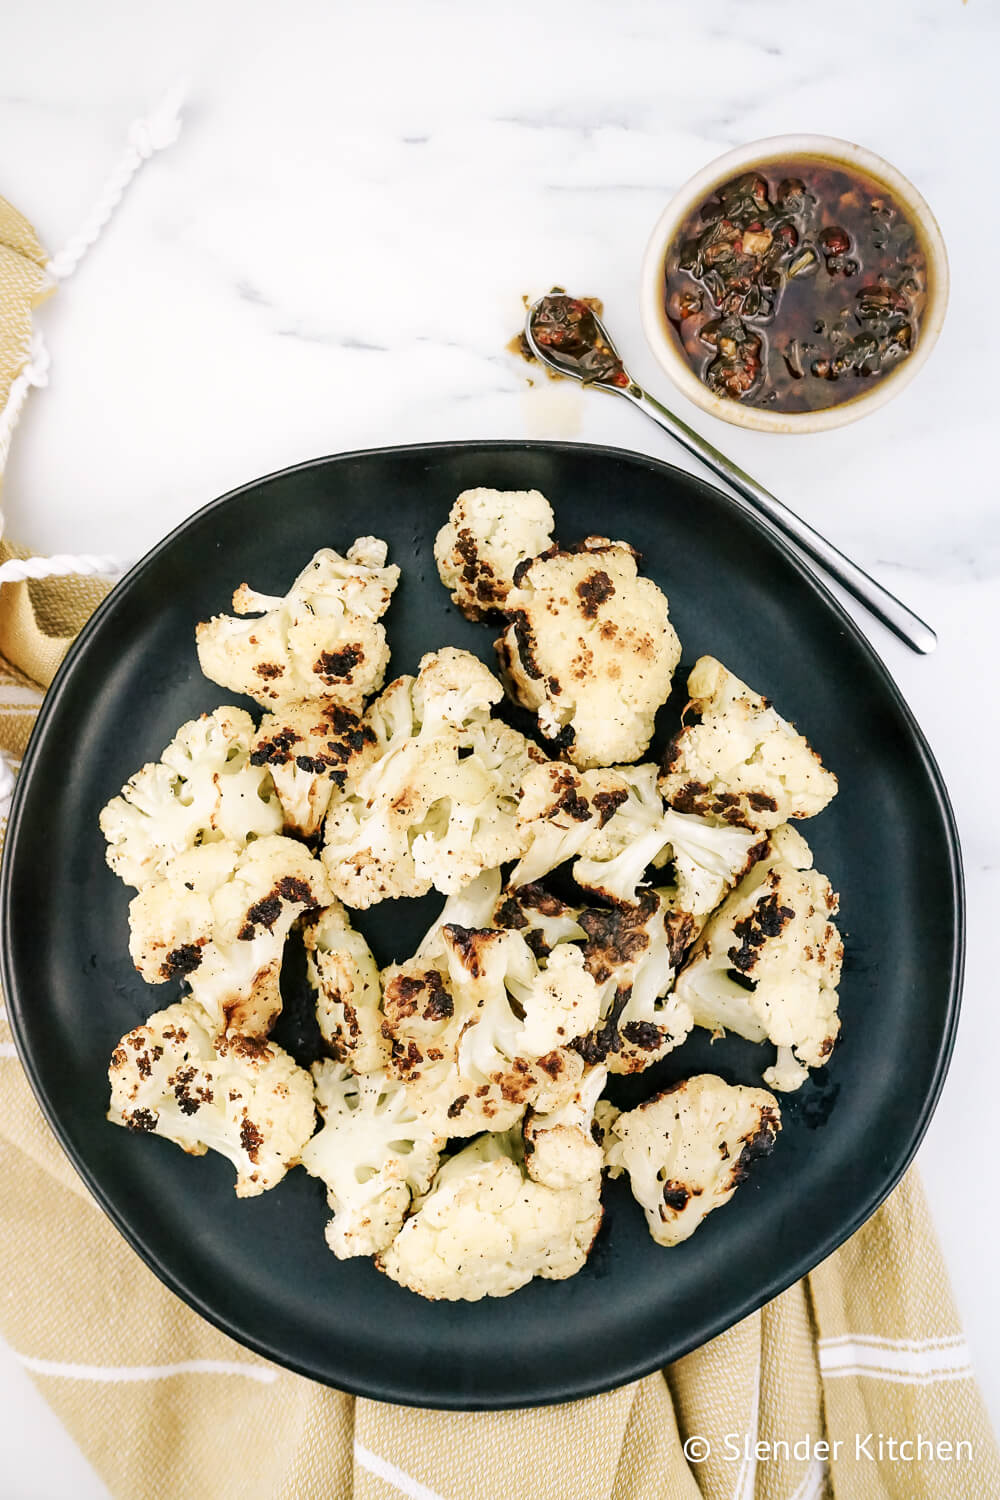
(663, 339)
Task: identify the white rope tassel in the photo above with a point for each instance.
(62, 565)
(145, 137)
(35, 373)
(6, 784)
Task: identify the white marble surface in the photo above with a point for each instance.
(277, 286)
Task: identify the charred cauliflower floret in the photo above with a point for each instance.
(605, 1115)
(473, 906)
(479, 1022)
(345, 979)
(488, 532)
(767, 964)
(309, 749)
(633, 953)
(373, 1152)
(559, 810)
(418, 1011)
(687, 1150)
(438, 802)
(706, 860)
(321, 640)
(422, 1024)
(543, 920)
(219, 919)
(589, 647)
(615, 822)
(452, 689)
(422, 1029)
(486, 1229)
(522, 1017)
(205, 786)
(242, 1097)
(561, 1148)
(742, 762)
(425, 1015)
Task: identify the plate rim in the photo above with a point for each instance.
(624, 1372)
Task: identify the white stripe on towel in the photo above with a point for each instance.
(17, 695)
(390, 1474)
(746, 1479)
(119, 1374)
(878, 1341)
(812, 1485)
(902, 1361)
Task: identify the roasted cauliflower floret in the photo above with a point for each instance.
(687, 1150)
(559, 810)
(438, 804)
(706, 860)
(478, 1027)
(242, 1097)
(767, 964)
(219, 919)
(345, 978)
(205, 786)
(485, 1228)
(633, 952)
(615, 822)
(373, 1152)
(309, 749)
(605, 1115)
(418, 1011)
(561, 1148)
(452, 689)
(523, 1017)
(488, 532)
(742, 762)
(474, 905)
(321, 640)
(543, 920)
(422, 1025)
(589, 647)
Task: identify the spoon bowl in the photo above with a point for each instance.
(606, 372)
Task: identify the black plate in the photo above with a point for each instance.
(260, 1268)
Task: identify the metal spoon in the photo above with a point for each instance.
(876, 599)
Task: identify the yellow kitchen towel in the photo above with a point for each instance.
(38, 618)
(855, 1383)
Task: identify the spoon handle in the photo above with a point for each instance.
(883, 605)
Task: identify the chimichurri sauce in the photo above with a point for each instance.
(567, 326)
(796, 286)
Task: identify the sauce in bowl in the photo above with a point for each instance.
(796, 285)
